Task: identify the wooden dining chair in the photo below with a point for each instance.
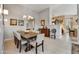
(38, 42)
(19, 41)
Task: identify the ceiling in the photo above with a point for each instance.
(39, 7)
(34, 7)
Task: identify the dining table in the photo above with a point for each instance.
(29, 36)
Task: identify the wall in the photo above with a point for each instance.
(17, 12)
(45, 15)
(1, 33)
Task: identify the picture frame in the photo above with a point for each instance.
(13, 22)
(42, 22)
(20, 22)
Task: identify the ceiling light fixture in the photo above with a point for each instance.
(5, 12)
(30, 17)
(24, 16)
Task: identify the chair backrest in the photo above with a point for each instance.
(53, 30)
(27, 30)
(14, 35)
(40, 38)
(35, 31)
(17, 35)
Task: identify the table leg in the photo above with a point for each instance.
(28, 44)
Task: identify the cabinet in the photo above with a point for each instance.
(73, 33)
(46, 31)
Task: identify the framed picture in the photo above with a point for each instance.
(20, 22)
(13, 22)
(42, 22)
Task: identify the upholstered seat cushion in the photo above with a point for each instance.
(23, 42)
(33, 43)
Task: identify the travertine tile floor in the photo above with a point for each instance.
(51, 46)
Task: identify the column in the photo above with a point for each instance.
(78, 22)
(1, 30)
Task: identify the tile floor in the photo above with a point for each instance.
(75, 49)
(51, 46)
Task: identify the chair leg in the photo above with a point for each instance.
(15, 41)
(54, 36)
(29, 47)
(36, 48)
(42, 46)
(17, 44)
(20, 45)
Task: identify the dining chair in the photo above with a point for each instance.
(19, 41)
(15, 39)
(36, 31)
(53, 33)
(39, 41)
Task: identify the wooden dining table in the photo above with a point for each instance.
(28, 36)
